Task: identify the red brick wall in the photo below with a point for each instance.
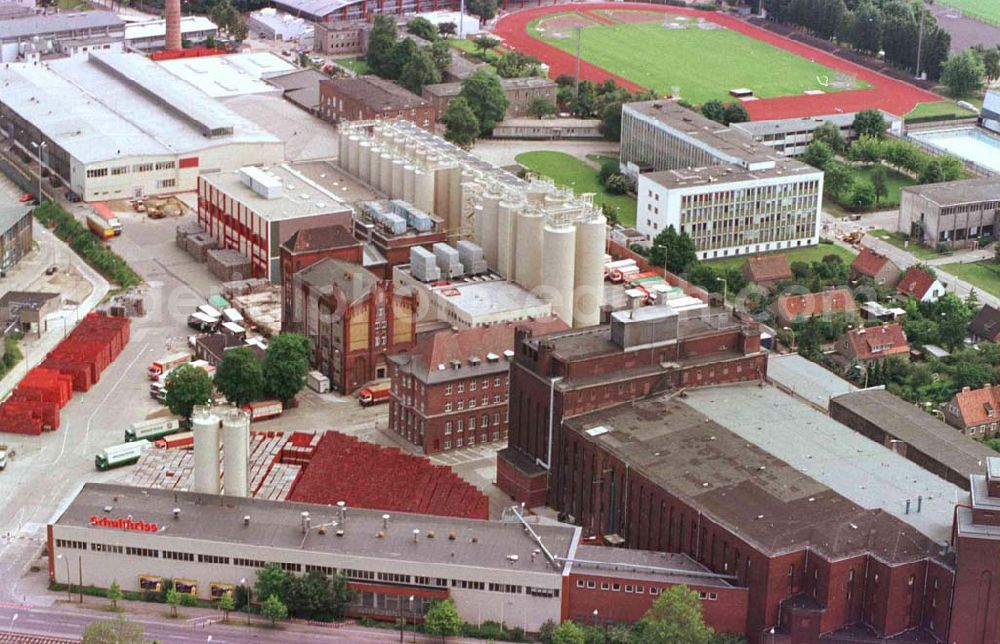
(976, 619)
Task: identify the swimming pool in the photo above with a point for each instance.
(967, 143)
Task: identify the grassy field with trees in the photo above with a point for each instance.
(571, 172)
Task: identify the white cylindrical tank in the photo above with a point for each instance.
(528, 267)
(374, 160)
(487, 234)
(442, 193)
(385, 172)
(455, 218)
(398, 167)
(507, 252)
(236, 452)
(342, 150)
(558, 248)
(423, 190)
(353, 143)
(205, 426)
(409, 172)
(588, 273)
(364, 161)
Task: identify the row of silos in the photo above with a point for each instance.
(230, 474)
(384, 169)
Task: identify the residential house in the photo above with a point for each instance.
(974, 411)
(878, 267)
(920, 285)
(797, 308)
(986, 325)
(765, 270)
(874, 344)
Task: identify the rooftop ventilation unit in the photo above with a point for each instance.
(261, 182)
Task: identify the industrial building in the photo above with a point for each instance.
(223, 76)
(270, 24)
(387, 229)
(151, 35)
(519, 571)
(255, 209)
(520, 93)
(306, 247)
(15, 235)
(26, 311)
(341, 37)
(85, 110)
(731, 194)
(535, 235)
(791, 137)
(331, 11)
(641, 352)
(353, 320)
(450, 390)
(956, 213)
(371, 97)
(27, 38)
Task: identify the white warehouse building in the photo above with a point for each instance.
(118, 126)
(731, 194)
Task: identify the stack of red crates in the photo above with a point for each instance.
(74, 365)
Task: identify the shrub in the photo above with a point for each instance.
(617, 184)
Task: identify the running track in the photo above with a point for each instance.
(889, 94)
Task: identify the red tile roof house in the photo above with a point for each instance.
(874, 344)
(975, 411)
(878, 267)
(797, 308)
(986, 325)
(766, 270)
(920, 285)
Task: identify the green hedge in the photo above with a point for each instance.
(83, 242)
(11, 355)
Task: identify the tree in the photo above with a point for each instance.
(226, 605)
(862, 196)
(114, 594)
(675, 616)
(422, 28)
(441, 54)
(461, 124)
(735, 113)
(419, 71)
(837, 177)
(869, 123)
(880, 182)
(286, 365)
(485, 9)
(829, 133)
(442, 619)
(240, 376)
(611, 121)
(569, 632)
(402, 53)
(381, 41)
(866, 29)
(514, 64)
(540, 107)
(272, 581)
(933, 172)
(991, 63)
(676, 251)
(585, 101)
(173, 600)
(187, 386)
(715, 110)
(273, 609)
(486, 98)
(963, 73)
(113, 631)
(818, 154)
(447, 29)
(484, 43)
(971, 374)
(229, 20)
(617, 184)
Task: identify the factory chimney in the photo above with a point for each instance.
(173, 16)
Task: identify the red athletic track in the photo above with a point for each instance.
(891, 95)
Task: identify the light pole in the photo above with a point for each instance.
(725, 290)
(38, 153)
(243, 582)
(12, 620)
(595, 619)
(69, 582)
(792, 331)
(79, 561)
(864, 370)
(664, 257)
(414, 618)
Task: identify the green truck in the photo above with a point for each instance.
(153, 429)
(121, 455)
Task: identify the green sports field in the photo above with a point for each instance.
(986, 10)
(702, 63)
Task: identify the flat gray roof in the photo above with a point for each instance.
(806, 379)
(10, 215)
(300, 196)
(482, 298)
(107, 106)
(57, 23)
(814, 444)
(803, 124)
(718, 175)
(953, 193)
(230, 75)
(278, 524)
(602, 561)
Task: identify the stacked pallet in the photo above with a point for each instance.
(185, 230)
(75, 364)
(344, 468)
(300, 448)
(198, 245)
(168, 469)
(228, 264)
(278, 483)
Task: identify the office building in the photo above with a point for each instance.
(27, 38)
(956, 213)
(151, 35)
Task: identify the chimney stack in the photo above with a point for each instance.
(172, 12)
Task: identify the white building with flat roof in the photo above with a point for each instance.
(118, 126)
(26, 37)
(231, 74)
(270, 24)
(151, 35)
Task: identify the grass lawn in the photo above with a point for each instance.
(898, 240)
(569, 171)
(943, 109)
(983, 275)
(356, 65)
(895, 181)
(702, 64)
(986, 10)
(807, 254)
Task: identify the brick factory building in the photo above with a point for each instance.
(641, 352)
(450, 391)
(306, 247)
(341, 37)
(15, 235)
(254, 210)
(520, 93)
(394, 245)
(369, 97)
(353, 319)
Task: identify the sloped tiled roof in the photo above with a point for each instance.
(878, 342)
(768, 268)
(986, 324)
(323, 238)
(828, 302)
(915, 283)
(979, 405)
(869, 262)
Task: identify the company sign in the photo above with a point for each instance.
(129, 525)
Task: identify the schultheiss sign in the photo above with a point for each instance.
(123, 524)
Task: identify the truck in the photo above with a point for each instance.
(163, 365)
(610, 266)
(318, 382)
(110, 219)
(99, 226)
(203, 323)
(233, 329)
(158, 389)
(264, 409)
(374, 393)
(232, 315)
(121, 455)
(210, 311)
(153, 428)
(183, 440)
(618, 275)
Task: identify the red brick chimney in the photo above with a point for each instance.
(173, 15)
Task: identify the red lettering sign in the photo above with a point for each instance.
(123, 524)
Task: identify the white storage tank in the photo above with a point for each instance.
(423, 190)
(398, 167)
(236, 452)
(588, 272)
(374, 160)
(353, 143)
(364, 161)
(408, 182)
(342, 150)
(487, 225)
(205, 426)
(507, 252)
(385, 172)
(528, 267)
(558, 248)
